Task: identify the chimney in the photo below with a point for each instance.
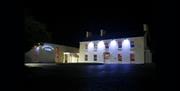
(145, 26)
(146, 30)
(102, 32)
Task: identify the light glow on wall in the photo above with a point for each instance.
(91, 46)
(101, 45)
(66, 53)
(47, 47)
(113, 43)
(126, 43)
(126, 51)
(37, 49)
(38, 64)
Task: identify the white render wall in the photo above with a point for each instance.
(138, 49)
(44, 56)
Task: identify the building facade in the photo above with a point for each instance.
(131, 50)
(52, 53)
(121, 50)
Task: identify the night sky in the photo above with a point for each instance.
(68, 27)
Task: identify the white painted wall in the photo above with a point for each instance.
(139, 49)
(126, 50)
(100, 51)
(44, 56)
(113, 49)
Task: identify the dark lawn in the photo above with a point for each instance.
(93, 77)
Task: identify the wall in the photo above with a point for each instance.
(41, 55)
(113, 49)
(139, 50)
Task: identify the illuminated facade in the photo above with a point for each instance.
(131, 50)
(52, 53)
(120, 50)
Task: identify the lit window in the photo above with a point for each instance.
(86, 57)
(119, 57)
(95, 57)
(132, 57)
(106, 55)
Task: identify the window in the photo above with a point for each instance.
(119, 57)
(95, 57)
(106, 55)
(86, 46)
(86, 57)
(95, 47)
(132, 44)
(106, 45)
(132, 57)
(119, 44)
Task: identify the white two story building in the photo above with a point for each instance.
(122, 50)
(130, 50)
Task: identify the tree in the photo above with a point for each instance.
(35, 32)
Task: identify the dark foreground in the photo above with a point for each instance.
(90, 77)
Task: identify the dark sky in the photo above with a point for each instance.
(68, 26)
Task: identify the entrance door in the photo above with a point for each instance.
(106, 57)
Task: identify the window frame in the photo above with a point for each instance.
(106, 45)
(132, 57)
(119, 44)
(132, 44)
(95, 58)
(119, 57)
(86, 57)
(86, 46)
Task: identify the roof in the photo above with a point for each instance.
(112, 36)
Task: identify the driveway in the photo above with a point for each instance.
(92, 77)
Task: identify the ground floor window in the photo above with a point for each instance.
(132, 57)
(95, 57)
(106, 56)
(119, 57)
(86, 57)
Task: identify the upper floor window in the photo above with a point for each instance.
(86, 46)
(106, 45)
(95, 46)
(119, 44)
(132, 44)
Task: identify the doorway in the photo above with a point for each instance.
(106, 57)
